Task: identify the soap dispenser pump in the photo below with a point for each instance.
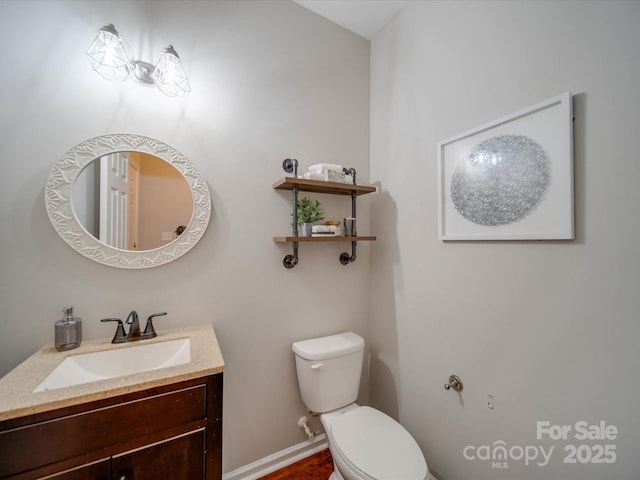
(68, 331)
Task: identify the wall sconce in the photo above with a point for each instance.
(111, 57)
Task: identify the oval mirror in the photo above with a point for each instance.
(127, 201)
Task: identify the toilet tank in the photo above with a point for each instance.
(329, 370)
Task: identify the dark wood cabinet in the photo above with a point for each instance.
(100, 470)
(172, 432)
(179, 458)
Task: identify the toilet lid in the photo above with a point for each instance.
(377, 446)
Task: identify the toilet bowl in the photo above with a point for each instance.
(365, 443)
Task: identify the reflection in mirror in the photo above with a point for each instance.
(172, 201)
(132, 200)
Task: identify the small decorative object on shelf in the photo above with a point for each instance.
(350, 227)
(296, 184)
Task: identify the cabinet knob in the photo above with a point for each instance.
(123, 477)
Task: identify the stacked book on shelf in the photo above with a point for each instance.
(326, 231)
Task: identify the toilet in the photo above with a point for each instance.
(365, 443)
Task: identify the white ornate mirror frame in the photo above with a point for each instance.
(59, 205)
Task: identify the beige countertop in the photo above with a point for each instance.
(16, 388)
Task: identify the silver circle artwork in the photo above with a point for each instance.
(501, 180)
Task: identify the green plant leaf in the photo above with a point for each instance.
(309, 211)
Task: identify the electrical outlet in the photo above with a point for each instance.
(490, 401)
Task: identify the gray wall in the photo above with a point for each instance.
(549, 328)
(270, 80)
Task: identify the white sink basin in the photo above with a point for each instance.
(90, 367)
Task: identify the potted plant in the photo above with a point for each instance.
(309, 212)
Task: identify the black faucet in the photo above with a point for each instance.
(149, 331)
(134, 329)
(120, 336)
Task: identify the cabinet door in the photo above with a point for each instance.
(98, 432)
(94, 471)
(178, 458)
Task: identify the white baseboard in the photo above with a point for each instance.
(278, 460)
(281, 459)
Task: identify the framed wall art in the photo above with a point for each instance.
(511, 179)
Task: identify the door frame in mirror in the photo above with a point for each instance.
(59, 204)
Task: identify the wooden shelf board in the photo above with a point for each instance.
(315, 186)
(324, 239)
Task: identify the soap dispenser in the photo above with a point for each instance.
(68, 331)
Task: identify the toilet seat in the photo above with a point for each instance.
(375, 446)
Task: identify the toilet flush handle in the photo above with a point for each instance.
(317, 366)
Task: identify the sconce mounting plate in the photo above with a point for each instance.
(143, 73)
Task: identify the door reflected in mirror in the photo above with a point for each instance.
(132, 201)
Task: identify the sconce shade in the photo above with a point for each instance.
(110, 55)
(169, 75)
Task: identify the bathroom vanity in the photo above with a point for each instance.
(160, 424)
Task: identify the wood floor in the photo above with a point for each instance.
(315, 467)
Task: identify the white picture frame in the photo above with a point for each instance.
(510, 179)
